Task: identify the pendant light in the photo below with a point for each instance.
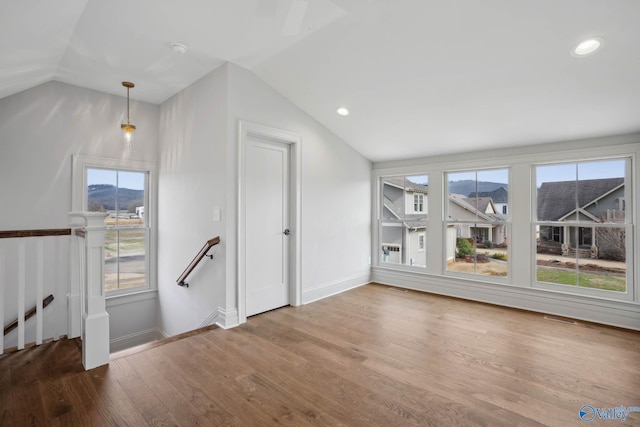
(127, 128)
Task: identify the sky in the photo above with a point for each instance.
(419, 179)
(551, 173)
(580, 171)
(493, 175)
(123, 179)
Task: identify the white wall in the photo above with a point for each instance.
(336, 188)
(198, 172)
(41, 128)
(193, 174)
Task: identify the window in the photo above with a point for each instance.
(504, 209)
(403, 220)
(123, 194)
(581, 226)
(476, 232)
(418, 203)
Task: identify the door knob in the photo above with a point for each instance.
(287, 232)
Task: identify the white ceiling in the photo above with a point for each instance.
(420, 77)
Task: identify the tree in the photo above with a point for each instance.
(95, 206)
(464, 246)
(612, 241)
(611, 244)
(134, 204)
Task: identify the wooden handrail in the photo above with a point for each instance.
(196, 260)
(9, 234)
(28, 315)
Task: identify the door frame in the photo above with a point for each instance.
(248, 129)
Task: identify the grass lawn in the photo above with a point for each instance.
(131, 242)
(586, 280)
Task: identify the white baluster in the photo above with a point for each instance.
(2, 296)
(21, 290)
(39, 288)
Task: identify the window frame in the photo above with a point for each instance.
(80, 165)
(520, 291)
(446, 222)
(379, 220)
(418, 201)
(627, 226)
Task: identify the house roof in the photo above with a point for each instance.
(371, 56)
(476, 206)
(401, 182)
(481, 203)
(499, 195)
(396, 207)
(557, 199)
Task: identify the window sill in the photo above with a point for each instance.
(116, 300)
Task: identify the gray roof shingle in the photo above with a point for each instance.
(556, 199)
(499, 195)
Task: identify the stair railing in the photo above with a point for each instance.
(27, 277)
(196, 260)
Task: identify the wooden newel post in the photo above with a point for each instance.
(95, 319)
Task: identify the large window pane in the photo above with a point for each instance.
(403, 228)
(131, 258)
(577, 243)
(581, 268)
(478, 222)
(402, 244)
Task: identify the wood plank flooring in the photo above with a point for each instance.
(373, 356)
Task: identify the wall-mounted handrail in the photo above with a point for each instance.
(10, 234)
(196, 260)
(28, 315)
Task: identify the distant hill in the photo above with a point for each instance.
(105, 195)
(467, 187)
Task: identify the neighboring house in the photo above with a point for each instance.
(406, 203)
(140, 211)
(599, 200)
(405, 206)
(490, 226)
(499, 196)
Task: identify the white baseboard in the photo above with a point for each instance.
(227, 318)
(332, 288)
(614, 313)
(137, 338)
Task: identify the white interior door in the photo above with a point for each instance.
(267, 225)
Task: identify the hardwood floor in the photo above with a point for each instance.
(371, 356)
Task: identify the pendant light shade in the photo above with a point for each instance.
(127, 128)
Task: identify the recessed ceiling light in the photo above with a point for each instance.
(587, 47)
(179, 47)
(343, 111)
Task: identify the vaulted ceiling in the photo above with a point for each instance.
(420, 77)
